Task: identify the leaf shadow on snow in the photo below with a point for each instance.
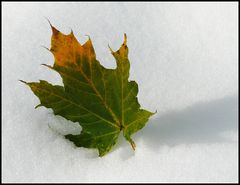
(202, 122)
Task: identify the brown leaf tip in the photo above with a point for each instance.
(23, 81)
(54, 30)
(125, 39)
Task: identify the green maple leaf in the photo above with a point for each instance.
(102, 100)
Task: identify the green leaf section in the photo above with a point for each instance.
(102, 100)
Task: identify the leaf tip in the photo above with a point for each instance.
(110, 49)
(125, 39)
(100, 155)
(39, 105)
(23, 82)
(46, 48)
(54, 30)
(71, 33)
(48, 21)
(154, 112)
(88, 36)
(47, 66)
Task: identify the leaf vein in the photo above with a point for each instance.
(80, 106)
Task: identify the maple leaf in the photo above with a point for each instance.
(102, 100)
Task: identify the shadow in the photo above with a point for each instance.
(203, 122)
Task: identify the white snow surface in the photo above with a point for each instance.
(184, 57)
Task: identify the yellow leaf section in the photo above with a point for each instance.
(123, 50)
(66, 48)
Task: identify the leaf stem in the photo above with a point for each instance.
(133, 145)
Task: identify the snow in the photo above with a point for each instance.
(184, 56)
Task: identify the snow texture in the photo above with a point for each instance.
(184, 56)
